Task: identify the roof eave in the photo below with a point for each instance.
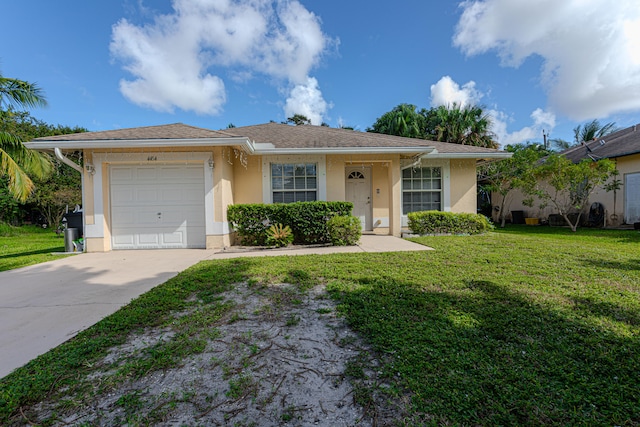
(496, 155)
(344, 150)
(139, 143)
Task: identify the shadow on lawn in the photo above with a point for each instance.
(39, 252)
(629, 265)
(482, 354)
(623, 236)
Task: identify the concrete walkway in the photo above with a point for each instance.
(42, 306)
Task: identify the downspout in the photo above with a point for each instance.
(66, 160)
(77, 167)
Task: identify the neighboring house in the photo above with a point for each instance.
(623, 147)
(169, 186)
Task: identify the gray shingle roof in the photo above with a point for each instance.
(171, 131)
(280, 136)
(617, 144)
(309, 136)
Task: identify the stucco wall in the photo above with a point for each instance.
(615, 214)
(247, 182)
(463, 186)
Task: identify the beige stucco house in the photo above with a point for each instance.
(622, 147)
(169, 186)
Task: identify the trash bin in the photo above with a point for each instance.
(517, 217)
(70, 234)
(74, 220)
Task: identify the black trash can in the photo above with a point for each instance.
(70, 234)
(517, 217)
(74, 220)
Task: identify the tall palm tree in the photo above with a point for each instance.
(592, 130)
(461, 125)
(16, 161)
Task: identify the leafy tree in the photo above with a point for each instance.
(16, 161)
(565, 185)
(404, 120)
(592, 130)
(298, 119)
(62, 189)
(504, 176)
(468, 125)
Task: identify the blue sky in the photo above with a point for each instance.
(532, 64)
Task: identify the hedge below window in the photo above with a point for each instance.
(308, 220)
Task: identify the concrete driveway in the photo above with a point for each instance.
(42, 306)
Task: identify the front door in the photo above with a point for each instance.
(358, 192)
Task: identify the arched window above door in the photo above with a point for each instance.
(356, 175)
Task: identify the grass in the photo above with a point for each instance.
(522, 326)
(23, 246)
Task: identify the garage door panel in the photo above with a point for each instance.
(148, 238)
(121, 174)
(122, 197)
(149, 173)
(160, 206)
(124, 239)
(145, 196)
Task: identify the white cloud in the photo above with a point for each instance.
(542, 121)
(590, 48)
(306, 99)
(172, 60)
(447, 92)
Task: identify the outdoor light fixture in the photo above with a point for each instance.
(210, 163)
(90, 168)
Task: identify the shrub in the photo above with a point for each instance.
(307, 220)
(437, 222)
(344, 230)
(279, 236)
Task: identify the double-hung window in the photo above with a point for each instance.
(421, 189)
(294, 182)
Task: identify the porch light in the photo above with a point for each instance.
(90, 168)
(210, 163)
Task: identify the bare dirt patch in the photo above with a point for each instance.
(276, 356)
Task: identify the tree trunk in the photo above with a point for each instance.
(574, 227)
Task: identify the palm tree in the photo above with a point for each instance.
(403, 120)
(16, 161)
(592, 130)
(461, 125)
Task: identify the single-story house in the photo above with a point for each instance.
(169, 186)
(622, 147)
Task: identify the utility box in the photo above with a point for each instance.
(70, 234)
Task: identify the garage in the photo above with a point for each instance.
(157, 206)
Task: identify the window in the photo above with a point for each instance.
(421, 189)
(294, 182)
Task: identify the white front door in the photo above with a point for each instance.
(632, 198)
(157, 206)
(358, 192)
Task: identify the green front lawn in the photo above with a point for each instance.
(523, 326)
(22, 246)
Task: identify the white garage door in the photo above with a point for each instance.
(157, 206)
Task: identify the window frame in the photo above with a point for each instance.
(294, 180)
(321, 169)
(423, 189)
